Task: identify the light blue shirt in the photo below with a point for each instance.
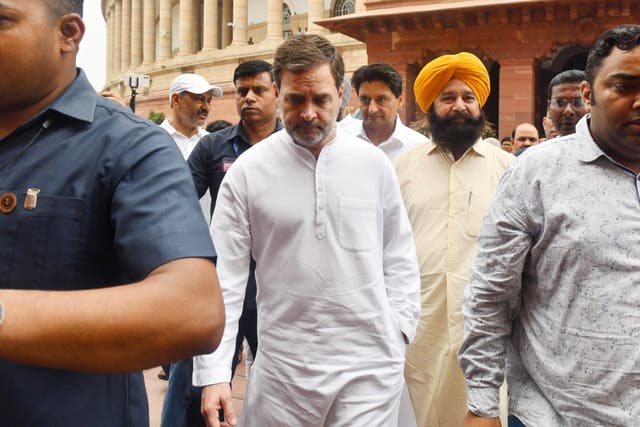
(555, 290)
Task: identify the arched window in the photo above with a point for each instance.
(344, 7)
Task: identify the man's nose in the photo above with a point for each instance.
(569, 110)
(458, 104)
(308, 113)
(251, 96)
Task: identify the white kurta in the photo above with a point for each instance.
(338, 283)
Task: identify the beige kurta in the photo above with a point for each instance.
(446, 201)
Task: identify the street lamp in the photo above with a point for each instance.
(134, 81)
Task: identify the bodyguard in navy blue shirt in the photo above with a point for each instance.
(104, 247)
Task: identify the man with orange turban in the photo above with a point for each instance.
(446, 185)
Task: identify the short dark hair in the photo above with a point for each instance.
(378, 72)
(624, 37)
(252, 68)
(569, 76)
(217, 125)
(302, 52)
(62, 7)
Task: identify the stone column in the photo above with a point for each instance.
(164, 27)
(126, 35)
(360, 6)
(316, 13)
(117, 45)
(136, 32)
(210, 25)
(240, 33)
(517, 93)
(227, 16)
(274, 20)
(186, 28)
(110, 40)
(149, 32)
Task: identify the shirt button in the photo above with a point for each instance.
(8, 202)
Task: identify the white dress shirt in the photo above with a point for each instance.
(186, 145)
(403, 138)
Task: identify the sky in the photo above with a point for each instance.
(92, 55)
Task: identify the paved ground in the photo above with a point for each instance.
(156, 389)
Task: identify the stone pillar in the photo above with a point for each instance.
(186, 28)
(210, 25)
(227, 16)
(117, 46)
(136, 32)
(164, 27)
(517, 93)
(110, 40)
(316, 13)
(274, 20)
(360, 6)
(240, 33)
(149, 32)
(126, 35)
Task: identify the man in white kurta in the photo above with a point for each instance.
(337, 277)
(446, 185)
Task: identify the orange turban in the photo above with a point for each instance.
(437, 73)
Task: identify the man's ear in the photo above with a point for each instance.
(400, 101)
(71, 32)
(585, 90)
(175, 99)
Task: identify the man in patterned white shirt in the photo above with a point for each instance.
(554, 294)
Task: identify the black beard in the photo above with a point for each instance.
(454, 136)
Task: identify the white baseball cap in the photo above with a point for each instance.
(193, 83)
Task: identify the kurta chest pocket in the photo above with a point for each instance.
(478, 204)
(44, 244)
(357, 224)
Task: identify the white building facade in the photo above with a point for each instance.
(163, 38)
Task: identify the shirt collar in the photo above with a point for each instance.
(239, 132)
(479, 147)
(586, 148)
(395, 135)
(166, 124)
(78, 100)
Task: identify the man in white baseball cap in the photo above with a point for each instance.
(190, 97)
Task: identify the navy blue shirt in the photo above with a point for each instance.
(115, 201)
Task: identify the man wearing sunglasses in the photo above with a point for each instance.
(565, 103)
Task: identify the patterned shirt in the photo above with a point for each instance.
(555, 290)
